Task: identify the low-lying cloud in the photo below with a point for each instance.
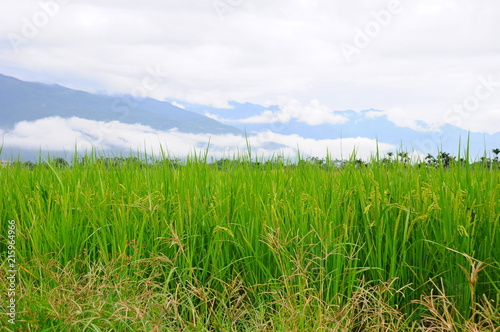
(68, 134)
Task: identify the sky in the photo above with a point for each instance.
(425, 61)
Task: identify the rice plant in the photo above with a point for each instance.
(128, 244)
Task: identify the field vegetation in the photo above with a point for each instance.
(138, 244)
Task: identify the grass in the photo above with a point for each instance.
(245, 246)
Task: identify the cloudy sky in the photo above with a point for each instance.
(426, 60)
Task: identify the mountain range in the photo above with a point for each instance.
(28, 102)
(370, 123)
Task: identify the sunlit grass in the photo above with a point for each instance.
(133, 246)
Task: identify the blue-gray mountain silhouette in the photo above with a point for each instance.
(26, 101)
(359, 124)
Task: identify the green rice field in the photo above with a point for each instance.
(126, 244)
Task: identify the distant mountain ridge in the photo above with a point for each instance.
(27, 101)
(358, 124)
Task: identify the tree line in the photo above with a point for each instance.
(441, 159)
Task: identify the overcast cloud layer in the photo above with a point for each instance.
(427, 60)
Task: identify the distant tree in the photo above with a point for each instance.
(496, 152)
(488, 162)
(224, 163)
(60, 162)
(445, 159)
(315, 161)
(168, 162)
(404, 157)
(275, 163)
(360, 163)
(430, 159)
(29, 164)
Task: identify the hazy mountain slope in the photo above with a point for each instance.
(358, 124)
(25, 101)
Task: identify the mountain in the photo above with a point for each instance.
(26, 101)
(76, 119)
(370, 123)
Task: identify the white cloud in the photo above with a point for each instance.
(176, 104)
(428, 57)
(268, 117)
(58, 134)
(374, 114)
(336, 148)
(312, 114)
(217, 118)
